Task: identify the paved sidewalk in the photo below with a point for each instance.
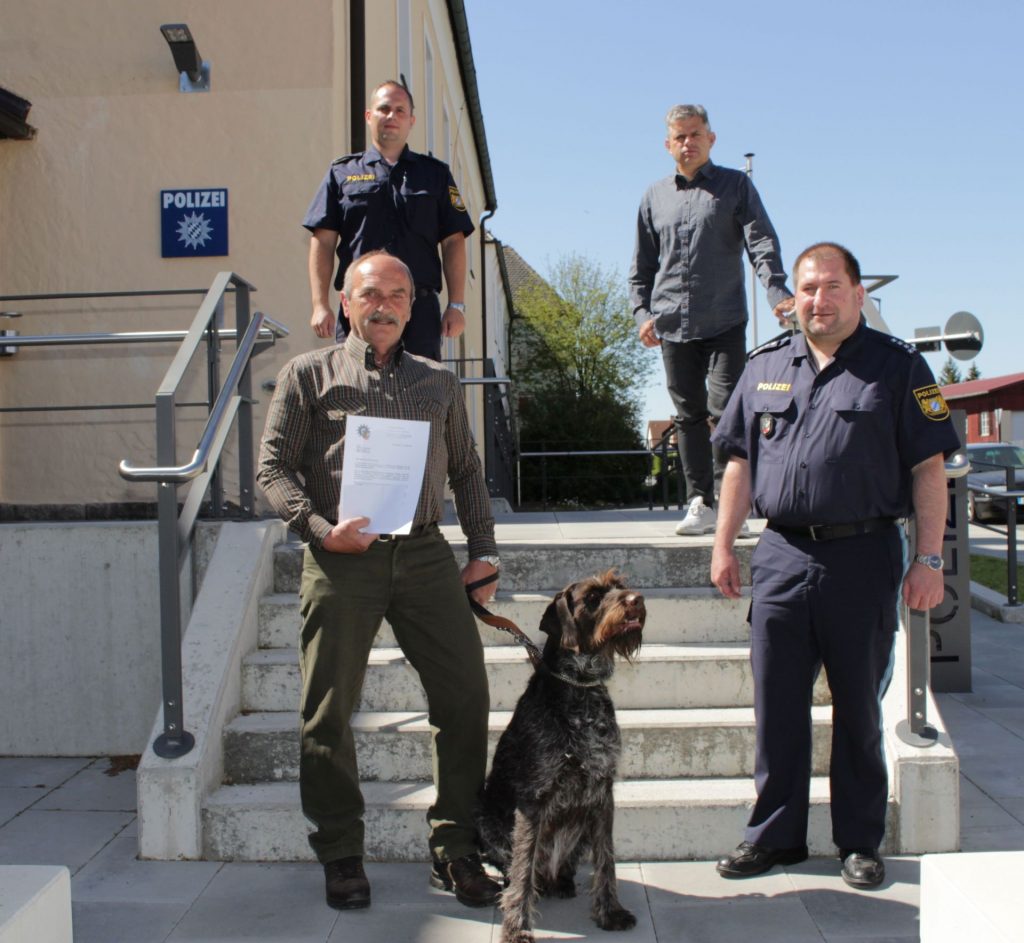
(72, 812)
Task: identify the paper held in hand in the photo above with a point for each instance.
(382, 472)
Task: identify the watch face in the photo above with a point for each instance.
(931, 560)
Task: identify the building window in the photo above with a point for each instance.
(985, 424)
(404, 42)
(428, 92)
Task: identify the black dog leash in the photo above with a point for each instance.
(500, 622)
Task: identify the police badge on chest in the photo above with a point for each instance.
(767, 425)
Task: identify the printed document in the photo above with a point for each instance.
(382, 473)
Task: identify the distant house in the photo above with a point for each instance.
(656, 428)
(994, 407)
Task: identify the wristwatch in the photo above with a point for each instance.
(492, 558)
(931, 560)
(457, 305)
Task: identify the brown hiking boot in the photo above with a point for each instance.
(347, 887)
(466, 878)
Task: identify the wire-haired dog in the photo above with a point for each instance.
(548, 797)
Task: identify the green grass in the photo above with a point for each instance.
(991, 572)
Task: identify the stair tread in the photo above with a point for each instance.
(417, 721)
(628, 793)
(503, 654)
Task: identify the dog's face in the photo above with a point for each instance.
(599, 614)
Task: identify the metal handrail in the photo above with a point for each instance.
(1008, 491)
(231, 407)
(128, 337)
(180, 474)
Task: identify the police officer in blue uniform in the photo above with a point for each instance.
(389, 197)
(833, 434)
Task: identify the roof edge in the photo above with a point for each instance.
(467, 72)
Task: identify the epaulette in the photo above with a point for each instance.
(900, 343)
(341, 160)
(781, 340)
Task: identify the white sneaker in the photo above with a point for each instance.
(699, 519)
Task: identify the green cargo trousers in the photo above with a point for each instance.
(414, 582)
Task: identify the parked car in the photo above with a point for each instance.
(985, 456)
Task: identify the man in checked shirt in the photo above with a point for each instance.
(351, 580)
(687, 288)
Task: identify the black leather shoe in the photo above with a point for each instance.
(749, 860)
(347, 887)
(862, 867)
(466, 878)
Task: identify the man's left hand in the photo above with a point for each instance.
(478, 570)
(453, 322)
(923, 588)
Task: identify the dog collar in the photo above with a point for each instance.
(572, 681)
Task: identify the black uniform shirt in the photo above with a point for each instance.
(407, 209)
(835, 446)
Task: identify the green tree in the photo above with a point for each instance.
(973, 372)
(580, 370)
(950, 373)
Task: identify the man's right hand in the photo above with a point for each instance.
(725, 571)
(345, 536)
(648, 336)
(322, 321)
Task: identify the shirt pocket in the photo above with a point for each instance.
(857, 433)
(421, 212)
(772, 422)
(358, 199)
(333, 413)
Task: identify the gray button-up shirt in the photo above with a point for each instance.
(687, 270)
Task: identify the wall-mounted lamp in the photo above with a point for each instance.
(194, 74)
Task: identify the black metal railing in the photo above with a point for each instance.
(1012, 495)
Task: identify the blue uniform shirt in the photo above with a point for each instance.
(835, 446)
(407, 209)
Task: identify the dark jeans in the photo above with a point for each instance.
(701, 375)
(422, 335)
(415, 584)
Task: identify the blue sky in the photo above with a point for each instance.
(896, 128)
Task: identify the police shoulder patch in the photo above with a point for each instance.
(776, 343)
(456, 198)
(932, 404)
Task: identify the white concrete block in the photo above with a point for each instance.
(35, 904)
(972, 897)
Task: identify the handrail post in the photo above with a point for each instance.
(915, 729)
(664, 471)
(175, 740)
(1011, 537)
(246, 472)
(212, 389)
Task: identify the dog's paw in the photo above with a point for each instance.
(617, 919)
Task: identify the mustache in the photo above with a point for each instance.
(379, 317)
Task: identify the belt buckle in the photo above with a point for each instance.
(814, 529)
(386, 537)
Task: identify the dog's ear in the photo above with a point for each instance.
(570, 637)
(558, 621)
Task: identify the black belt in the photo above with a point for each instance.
(424, 292)
(835, 531)
(418, 531)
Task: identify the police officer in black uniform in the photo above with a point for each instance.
(389, 197)
(833, 434)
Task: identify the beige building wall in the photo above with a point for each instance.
(79, 204)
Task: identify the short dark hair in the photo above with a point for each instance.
(823, 249)
(398, 85)
(682, 112)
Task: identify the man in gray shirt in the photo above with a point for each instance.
(687, 289)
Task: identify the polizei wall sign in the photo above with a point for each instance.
(193, 223)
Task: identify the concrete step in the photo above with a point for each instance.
(655, 820)
(396, 746)
(661, 677)
(674, 616)
(538, 566)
